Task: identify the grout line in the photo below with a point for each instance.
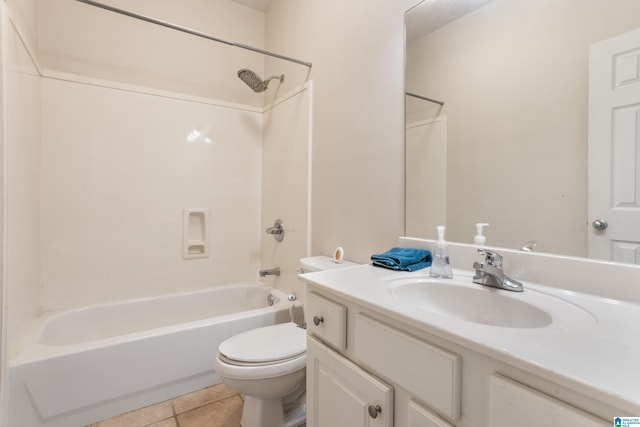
(175, 415)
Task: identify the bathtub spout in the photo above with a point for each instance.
(270, 272)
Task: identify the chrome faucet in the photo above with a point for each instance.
(270, 272)
(490, 273)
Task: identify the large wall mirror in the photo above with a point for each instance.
(531, 124)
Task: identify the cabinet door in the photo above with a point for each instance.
(341, 394)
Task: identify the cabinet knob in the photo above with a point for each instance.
(317, 320)
(374, 411)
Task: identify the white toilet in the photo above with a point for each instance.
(268, 366)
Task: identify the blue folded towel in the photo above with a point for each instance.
(403, 259)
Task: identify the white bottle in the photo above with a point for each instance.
(479, 239)
(440, 267)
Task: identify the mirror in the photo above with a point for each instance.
(510, 144)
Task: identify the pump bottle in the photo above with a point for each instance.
(479, 239)
(440, 267)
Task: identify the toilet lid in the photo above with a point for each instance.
(266, 344)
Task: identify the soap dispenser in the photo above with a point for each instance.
(440, 267)
(479, 239)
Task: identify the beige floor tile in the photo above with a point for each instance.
(223, 413)
(201, 397)
(141, 417)
(171, 422)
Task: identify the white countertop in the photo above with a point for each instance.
(599, 356)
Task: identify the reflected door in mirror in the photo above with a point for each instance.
(614, 148)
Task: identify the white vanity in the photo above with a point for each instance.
(400, 349)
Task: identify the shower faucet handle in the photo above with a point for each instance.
(277, 230)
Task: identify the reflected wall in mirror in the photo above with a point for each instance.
(514, 134)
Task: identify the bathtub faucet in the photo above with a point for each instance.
(270, 272)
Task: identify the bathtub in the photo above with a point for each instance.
(84, 365)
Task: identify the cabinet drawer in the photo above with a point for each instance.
(327, 320)
(431, 374)
(516, 404)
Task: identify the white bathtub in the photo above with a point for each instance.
(84, 365)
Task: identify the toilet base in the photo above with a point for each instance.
(271, 413)
(295, 416)
(262, 412)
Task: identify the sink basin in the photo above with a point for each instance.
(488, 306)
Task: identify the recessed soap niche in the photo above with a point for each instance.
(195, 233)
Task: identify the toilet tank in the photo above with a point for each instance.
(322, 263)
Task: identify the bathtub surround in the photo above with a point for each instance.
(22, 175)
(286, 187)
(114, 209)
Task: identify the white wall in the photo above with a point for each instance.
(118, 169)
(514, 78)
(358, 116)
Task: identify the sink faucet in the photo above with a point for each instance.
(270, 272)
(490, 273)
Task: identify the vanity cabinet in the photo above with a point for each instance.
(367, 367)
(355, 363)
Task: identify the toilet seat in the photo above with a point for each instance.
(265, 345)
(225, 359)
(265, 352)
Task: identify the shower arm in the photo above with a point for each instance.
(190, 31)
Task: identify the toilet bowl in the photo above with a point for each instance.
(267, 366)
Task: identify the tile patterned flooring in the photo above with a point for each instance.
(215, 406)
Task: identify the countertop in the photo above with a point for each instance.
(597, 354)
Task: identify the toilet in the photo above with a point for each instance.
(267, 366)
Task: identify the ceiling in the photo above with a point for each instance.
(430, 15)
(421, 20)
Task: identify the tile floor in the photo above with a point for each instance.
(215, 406)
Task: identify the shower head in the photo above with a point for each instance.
(255, 82)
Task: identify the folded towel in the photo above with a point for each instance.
(403, 259)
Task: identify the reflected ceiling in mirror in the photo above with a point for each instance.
(515, 124)
(430, 15)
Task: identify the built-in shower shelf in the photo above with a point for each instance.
(195, 241)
